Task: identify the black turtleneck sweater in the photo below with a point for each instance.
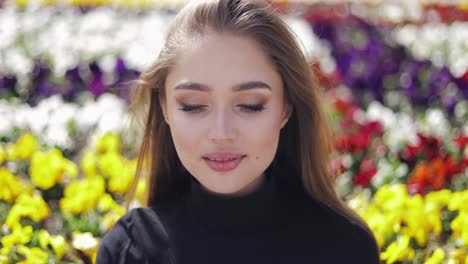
(273, 224)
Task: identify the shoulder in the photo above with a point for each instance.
(361, 245)
(137, 235)
(344, 233)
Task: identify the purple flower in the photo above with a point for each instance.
(372, 64)
(462, 83)
(40, 86)
(8, 86)
(124, 77)
(74, 84)
(96, 86)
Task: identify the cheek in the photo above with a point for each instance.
(262, 137)
(187, 137)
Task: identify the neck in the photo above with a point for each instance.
(252, 187)
(251, 212)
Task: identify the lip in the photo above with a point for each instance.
(213, 155)
(223, 166)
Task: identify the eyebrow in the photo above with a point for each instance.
(240, 87)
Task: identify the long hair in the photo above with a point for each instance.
(305, 144)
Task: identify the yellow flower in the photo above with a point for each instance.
(106, 203)
(10, 150)
(110, 218)
(57, 242)
(463, 5)
(119, 170)
(49, 168)
(140, 193)
(378, 223)
(82, 195)
(24, 147)
(2, 154)
(93, 259)
(85, 242)
(457, 255)
(459, 226)
(121, 183)
(10, 186)
(33, 255)
(89, 163)
(459, 201)
(32, 206)
(110, 142)
(19, 235)
(439, 198)
(109, 164)
(437, 257)
(416, 219)
(398, 250)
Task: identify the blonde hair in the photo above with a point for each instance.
(306, 135)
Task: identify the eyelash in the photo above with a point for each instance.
(249, 108)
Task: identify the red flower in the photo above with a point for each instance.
(419, 178)
(367, 171)
(354, 143)
(452, 168)
(438, 174)
(429, 147)
(461, 141)
(360, 141)
(343, 144)
(409, 153)
(434, 175)
(337, 166)
(372, 127)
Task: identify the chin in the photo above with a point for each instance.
(224, 188)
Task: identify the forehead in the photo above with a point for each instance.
(223, 60)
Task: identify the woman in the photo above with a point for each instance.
(236, 150)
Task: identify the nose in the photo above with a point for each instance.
(222, 127)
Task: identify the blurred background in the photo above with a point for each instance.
(395, 75)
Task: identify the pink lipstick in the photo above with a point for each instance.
(223, 161)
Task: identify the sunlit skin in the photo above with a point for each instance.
(225, 95)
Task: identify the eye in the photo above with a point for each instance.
(246, 107)
(191, 108)
(253, 107)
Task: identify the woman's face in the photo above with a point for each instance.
(224, 105)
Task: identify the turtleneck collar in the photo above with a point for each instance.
(256, 211)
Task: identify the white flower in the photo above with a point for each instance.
(15, 61)
(50, 104)
(6, 117)
(403, 132)
(67, 36)
(399, 127)
(107, 113)
(435, 123)
(443, 44)
(384, 170)
(63, 114)
(57, 134)
(49, 120)
(111, 121)
(8, 27)
(87, 116)
(84, 241)
(377, 112)
(37, 120)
